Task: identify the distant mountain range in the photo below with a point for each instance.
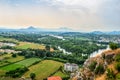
(110, 33)
(61, 29)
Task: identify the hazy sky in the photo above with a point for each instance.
(82, 15)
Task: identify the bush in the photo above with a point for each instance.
(99, 69)
(117, 58)
(32, 76)
(14, 55)
(110, 74)
(118, 76)
(117, 66)
(92, 65)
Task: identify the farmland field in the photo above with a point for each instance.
(18, 58)
(7, 58)
(26, 62)
(46, 68)
(26, 45)
(8, 39)
(11, 67)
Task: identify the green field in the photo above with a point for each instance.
(7, 59)
(26, 62)
(26, 45)
(43, 69)
(8, 39)
(11, 67)
(61, 74)
(18, 58)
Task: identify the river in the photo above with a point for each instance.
(59, 37)
(91, 55)
(100, 51)
(64, 51)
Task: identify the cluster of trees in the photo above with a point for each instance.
(6, 47)
(16, 73)
(56, 55)
(113, 46)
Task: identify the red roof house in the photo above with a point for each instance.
(54, 78)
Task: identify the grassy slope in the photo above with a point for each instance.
(43, 69)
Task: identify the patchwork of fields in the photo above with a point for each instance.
(26, 62)
(7, 59)
(44, 69)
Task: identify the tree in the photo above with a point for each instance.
(47, 47)
(32, 76)
(113, 46)
(14, 55)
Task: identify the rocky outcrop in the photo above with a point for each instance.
(104, 59)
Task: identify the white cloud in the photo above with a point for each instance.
(91, 5)
(83, 15)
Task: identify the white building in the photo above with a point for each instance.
(71, 67)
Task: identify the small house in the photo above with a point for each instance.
(70, 67)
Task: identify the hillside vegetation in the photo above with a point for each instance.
(105, 66)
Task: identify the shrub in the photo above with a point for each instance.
(92, 65)
(14, 55)
(117, 66)
(32, 76)
(117, 58)
(110, 74)
(99, 69)
(118, 76)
